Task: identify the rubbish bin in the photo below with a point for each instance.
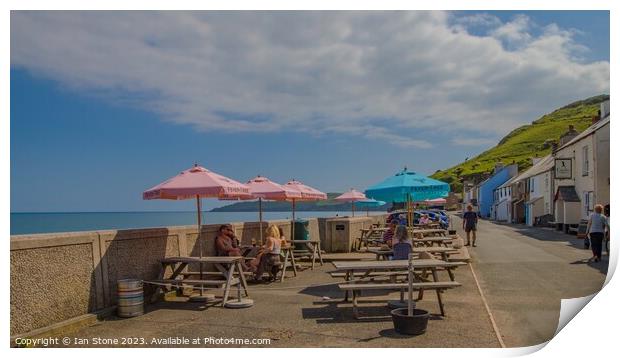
(301, 233)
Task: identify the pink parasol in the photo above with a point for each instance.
(198, 182)
(263, 188)
(351, 196)
(307, 194)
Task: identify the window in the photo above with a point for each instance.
(588, 202)
(546, 182)
(585, 166)
(532, 185)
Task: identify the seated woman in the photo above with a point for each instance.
(424, 220)
(269, 257)
(401, 243)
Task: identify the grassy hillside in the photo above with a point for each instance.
(525, 142)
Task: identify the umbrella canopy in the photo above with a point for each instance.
(307, 193)
(263, 188)
(198, 182)
(407, 185)
(352, 196)
(370, 203)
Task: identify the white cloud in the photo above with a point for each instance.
(515, 32)
(379, 75)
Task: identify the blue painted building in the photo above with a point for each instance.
(485, 189)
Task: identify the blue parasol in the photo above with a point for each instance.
(406, 187)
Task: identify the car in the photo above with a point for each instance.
(396, 215)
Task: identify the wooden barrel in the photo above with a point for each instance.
(130, 298)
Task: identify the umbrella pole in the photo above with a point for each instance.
(260, 218)
(199, 223)
(293, 224)
(353, 208)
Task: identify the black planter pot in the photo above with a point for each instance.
(412, 325)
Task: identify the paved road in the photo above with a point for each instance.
(525, 272)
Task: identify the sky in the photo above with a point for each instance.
(105, 105)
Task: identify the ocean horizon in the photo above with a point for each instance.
(51, 222)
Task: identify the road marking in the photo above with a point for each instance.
(486, 306)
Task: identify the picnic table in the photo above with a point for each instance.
(229, 273)
(372, 235)
(427, 232)
(382, 254)
(289, 260)
(357, 271)
(312, 251)
(375, 235)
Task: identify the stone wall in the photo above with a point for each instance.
(60, 276)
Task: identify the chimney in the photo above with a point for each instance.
(604, 111)
(597, 117)
(570, 134)
(498, 167)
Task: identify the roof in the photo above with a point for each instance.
(566, 193)
(543, 165)
(532, 200)
(591, 129)
(508, 182)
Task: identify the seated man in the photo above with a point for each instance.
(389, 233)
(227, 244)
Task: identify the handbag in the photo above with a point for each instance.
(586, 242)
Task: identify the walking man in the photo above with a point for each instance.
(470, 221)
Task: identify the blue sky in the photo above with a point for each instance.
(104, 107)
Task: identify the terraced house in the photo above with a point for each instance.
(582, 173)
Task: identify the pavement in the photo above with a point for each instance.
(523, 273)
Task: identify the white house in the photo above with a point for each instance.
(582, 172)
(502, 201)
(540, 186)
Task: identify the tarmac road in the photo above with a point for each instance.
(524, 273)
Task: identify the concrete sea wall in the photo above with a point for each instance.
(60, 276)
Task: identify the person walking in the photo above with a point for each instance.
(470, 221)
(596, 231)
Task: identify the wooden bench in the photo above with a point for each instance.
(195, 283)
(210, 273)
(356, 288)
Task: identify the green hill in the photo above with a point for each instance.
(525, 142)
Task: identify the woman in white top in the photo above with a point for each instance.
(270, 254)
(596, 230)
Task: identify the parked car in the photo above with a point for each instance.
(396, 215)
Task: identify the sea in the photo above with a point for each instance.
(34, 223)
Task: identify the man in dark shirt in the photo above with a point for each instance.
(226, 242)
(470, 221)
